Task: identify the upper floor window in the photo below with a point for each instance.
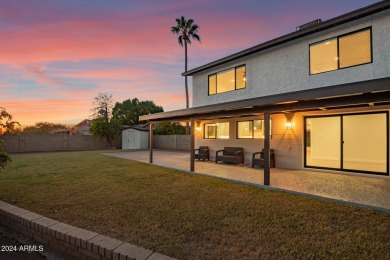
(227, 80)
(216, 131)
(341, 52)
(250, 129)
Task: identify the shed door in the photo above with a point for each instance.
(131, 140)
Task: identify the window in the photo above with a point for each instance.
(227, 80)
(245, 129)
(323, 56)
(355, 49)
(210, 131)
(341, 52)
(212, 84)
(251, 129)
(216, 131)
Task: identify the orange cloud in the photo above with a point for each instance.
(28, 112)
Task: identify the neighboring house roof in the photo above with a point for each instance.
(85, 121)
(345, 18)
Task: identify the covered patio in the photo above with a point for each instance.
(371, 94)
(349, 187)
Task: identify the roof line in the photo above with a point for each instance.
(348, 17)
(374, 85)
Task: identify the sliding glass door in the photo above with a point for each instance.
(350, 142)
(323, 143)
(365, 142)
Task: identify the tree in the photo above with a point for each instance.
(7, 125)
(4, 157)
(106, 128)
(103, 125)
(103, 104)
(128, 111)
(170, 128)
(187, 30)
(44, 128)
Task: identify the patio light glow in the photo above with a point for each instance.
(289, 125)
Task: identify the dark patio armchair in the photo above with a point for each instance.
(260, 161)
(230, 155)
(203, 153)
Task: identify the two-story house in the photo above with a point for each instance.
(319, 96)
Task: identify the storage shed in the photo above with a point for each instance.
(134, 137)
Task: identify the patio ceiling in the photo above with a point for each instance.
(358, 94)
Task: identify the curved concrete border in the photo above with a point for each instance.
(74, 242)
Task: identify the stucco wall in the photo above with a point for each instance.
(288, 144)
(285, 68)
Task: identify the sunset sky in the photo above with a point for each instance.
(56, 56)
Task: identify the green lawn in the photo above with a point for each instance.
(189, 216)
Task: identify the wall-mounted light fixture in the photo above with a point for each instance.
(197, 128)
(289, 125)
(289, 122)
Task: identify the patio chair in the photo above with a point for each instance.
(260, 161)
(203, 153)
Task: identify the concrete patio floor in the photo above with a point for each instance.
(371, 190)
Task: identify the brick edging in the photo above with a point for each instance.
(74, 242)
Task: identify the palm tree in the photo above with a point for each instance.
(187, 30)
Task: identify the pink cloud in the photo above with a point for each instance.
(38, 71)
(83, 40)
(120, 36)
(114, 74)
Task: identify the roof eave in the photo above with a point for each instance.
(267, 101)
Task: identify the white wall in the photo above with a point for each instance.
(285, 68)
(144, 140)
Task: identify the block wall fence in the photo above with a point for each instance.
(172, 142)
(47, 142)
(70, 241)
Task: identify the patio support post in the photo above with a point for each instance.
(192, 154)
(267, 174)
(151, 142)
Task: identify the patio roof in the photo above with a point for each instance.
(357, 94)
(339, 20)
